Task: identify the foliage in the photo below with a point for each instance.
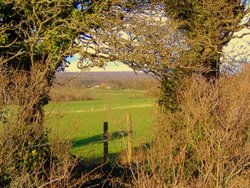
(43, 30)
(207, 26)
(23, 150)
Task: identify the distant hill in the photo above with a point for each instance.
(116, 80)
(106, 75)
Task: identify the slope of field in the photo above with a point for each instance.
(82, 121)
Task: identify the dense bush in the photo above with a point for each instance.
(28, 157)
(206, 142)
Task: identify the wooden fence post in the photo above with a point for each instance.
(130, 146)
(105, 142)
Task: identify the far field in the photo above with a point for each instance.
(82, 121)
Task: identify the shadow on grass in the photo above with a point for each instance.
(97, 139)
(113, 156)
(108, 171)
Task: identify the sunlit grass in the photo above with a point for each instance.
(82, 121)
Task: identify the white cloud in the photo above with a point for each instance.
(238, 48)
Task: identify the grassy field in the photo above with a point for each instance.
(82, 121)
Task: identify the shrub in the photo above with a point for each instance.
(64, 94)
(28, 158)
(206, 142)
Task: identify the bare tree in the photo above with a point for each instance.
(170, 39)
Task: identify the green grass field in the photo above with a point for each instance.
(82, 121)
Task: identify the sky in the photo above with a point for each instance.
(239, 48)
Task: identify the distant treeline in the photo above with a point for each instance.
(106, 80)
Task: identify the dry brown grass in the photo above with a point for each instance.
(204, 144)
